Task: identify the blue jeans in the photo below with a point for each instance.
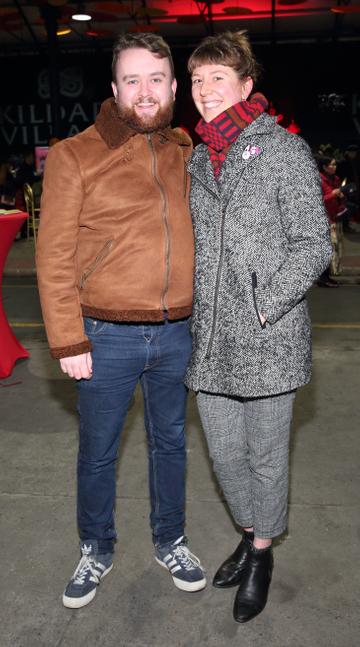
(124, 354)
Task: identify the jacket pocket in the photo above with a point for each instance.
(254, 286)
(102, 254)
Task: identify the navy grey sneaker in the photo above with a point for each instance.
(184, 567)
(83, 584)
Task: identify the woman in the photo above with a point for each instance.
(261, 240)
(335, 205)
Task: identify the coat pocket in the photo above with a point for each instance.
(254, 285)
(101, 255)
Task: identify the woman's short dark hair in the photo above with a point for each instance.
(229, 48)
(152, 42)
(323, 160)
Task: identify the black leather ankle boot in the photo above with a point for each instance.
(230, 572)
(252, 594)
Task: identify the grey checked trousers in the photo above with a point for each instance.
(248, 441)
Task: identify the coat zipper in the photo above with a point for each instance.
(217, 285)
(166, 225)
(218, 273)
(100, 257)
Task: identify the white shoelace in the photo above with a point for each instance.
(187, 559)
(87, 564)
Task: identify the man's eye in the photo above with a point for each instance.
(218, 78)
(156, 80)
(196, 81)
(132, 82)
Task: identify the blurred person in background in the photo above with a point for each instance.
(348, 169)
(26, 173)
(335, 205)
(8, 182)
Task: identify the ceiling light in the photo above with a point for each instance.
(63, 32)
(349, 8)
(80, 14)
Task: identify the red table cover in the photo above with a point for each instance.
(10, 348)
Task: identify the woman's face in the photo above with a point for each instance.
(330, 169)
(216, 88)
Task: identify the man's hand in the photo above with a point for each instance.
(79, 366)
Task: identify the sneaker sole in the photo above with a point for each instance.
(180, 584)
(77, 603)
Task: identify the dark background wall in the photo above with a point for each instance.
(317, 85)
(298, 80)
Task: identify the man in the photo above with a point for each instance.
(115, 279)
(261, 240)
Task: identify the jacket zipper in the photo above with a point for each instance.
(254, 286)
(100, 257)
(166, 225)
(217, 285)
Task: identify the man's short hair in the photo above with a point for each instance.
(152, 42)
(229, 48)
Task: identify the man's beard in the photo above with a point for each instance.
(161, 120)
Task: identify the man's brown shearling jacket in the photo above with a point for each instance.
(115, 239)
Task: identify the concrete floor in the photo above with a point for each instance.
(314, 599)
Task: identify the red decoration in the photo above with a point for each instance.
(272, 112)
(293, 127)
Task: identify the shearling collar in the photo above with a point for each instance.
(115, 132)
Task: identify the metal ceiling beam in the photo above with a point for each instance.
(210, 18)
(341, 28)
(50, 15)
(206, 14)
(147, 17)
(339, 20)
(273, 22)
(29, 27)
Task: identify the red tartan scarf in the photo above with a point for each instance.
(222, 131)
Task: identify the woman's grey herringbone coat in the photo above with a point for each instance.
(262, 238)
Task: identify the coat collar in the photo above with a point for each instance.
(234, 165)
(115, 132)
(200, 166)
(263, 125)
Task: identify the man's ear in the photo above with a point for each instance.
(173, 87)
(114, 89)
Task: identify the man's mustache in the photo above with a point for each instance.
(149, 100)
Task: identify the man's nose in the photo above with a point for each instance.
(144, 88)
